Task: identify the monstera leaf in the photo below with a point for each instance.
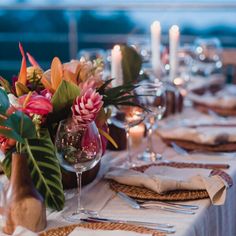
(44, 168)
(131, 64)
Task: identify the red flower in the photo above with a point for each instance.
(6, 144)
(36, 104)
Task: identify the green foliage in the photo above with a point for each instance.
(44, 168)
(120, 95)
(131, 64)
(64, 96)
(16, 126)
(26, 130)
(42, 161)
(4, 102)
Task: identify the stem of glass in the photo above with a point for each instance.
(149, 137)
(127, 129)
(79, 178)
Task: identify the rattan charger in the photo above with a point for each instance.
(66, 230)
(147, 194)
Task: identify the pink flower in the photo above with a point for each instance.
(6, 144)
(37, 104)
(46, 93)
(88, 84)
(86, 107)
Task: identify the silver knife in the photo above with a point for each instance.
(129, 200)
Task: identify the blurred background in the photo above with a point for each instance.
(49, 28)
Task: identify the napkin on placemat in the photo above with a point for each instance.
(161, 179)
(207, 135)
(225, 98)
(89, 232)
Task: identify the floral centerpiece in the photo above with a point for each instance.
(32, 106)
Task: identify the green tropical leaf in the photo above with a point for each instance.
(44, 168)
(131, 64)
(9, 133)
(12, 128)
(4, 101)
(64, 96)
(26, 130)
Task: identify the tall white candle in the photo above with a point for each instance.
(116, 67)
(173, 54)
(155, 46)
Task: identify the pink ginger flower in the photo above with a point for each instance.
(85, 86)
(86, 107)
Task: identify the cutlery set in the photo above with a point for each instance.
(147, 204)
(164, 206)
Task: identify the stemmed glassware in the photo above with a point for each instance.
(153, 97)
(126, 117)
(78, 149)
(208, 56)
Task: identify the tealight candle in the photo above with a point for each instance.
(136, 134)
(155, 46)
(116, 68)
(173, 54)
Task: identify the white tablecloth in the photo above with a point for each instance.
(209, 220)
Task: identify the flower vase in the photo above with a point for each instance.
(23, 205)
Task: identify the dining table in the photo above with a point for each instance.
(208, 220)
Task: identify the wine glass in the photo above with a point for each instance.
(126, 117)
(208, 56)
(78, 149)
(184, 73)
(153, 97)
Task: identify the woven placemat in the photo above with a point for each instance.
(220, 111)
(144, 193)
(66, 230)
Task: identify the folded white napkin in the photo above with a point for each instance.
(202, 134)
(89, 232)
(161, 179)
(225, 98)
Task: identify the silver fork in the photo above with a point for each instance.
(134, 204)
(170, 204)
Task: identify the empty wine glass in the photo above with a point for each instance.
(126, 117)
(78, 149)
(184, 73)
(153, 97)
(208, 56)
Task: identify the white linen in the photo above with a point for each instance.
(88, 232)
(21, 231)
(208, 220)
(161, 179)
